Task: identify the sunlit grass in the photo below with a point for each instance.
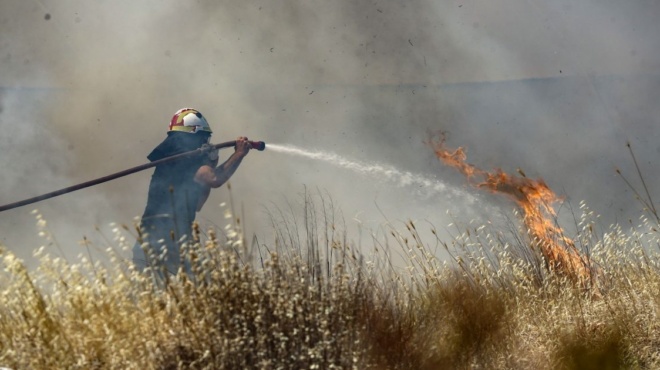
(310, 299)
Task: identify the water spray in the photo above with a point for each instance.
(422, 184)
(258, 145)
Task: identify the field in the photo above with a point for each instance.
(310, 299)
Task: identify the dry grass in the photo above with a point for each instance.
(310, 299)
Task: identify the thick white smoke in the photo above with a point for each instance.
(555, 88)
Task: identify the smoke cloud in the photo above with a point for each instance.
(554, 88)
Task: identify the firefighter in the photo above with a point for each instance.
(179, 188)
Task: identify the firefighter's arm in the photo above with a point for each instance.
(216, 177)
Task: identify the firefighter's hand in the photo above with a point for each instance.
(243, 146)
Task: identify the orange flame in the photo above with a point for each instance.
(535, 199)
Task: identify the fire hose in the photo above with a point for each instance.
(258, 145)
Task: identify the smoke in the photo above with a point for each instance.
(555, 89)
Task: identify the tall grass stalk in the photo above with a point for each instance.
(311, 299)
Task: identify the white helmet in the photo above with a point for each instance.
(189, 120)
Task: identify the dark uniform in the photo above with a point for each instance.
(173, 199)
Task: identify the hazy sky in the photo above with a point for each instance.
(554, 88)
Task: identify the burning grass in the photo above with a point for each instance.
(312, 300)
(536, 201)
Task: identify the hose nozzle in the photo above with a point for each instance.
(258, 145)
